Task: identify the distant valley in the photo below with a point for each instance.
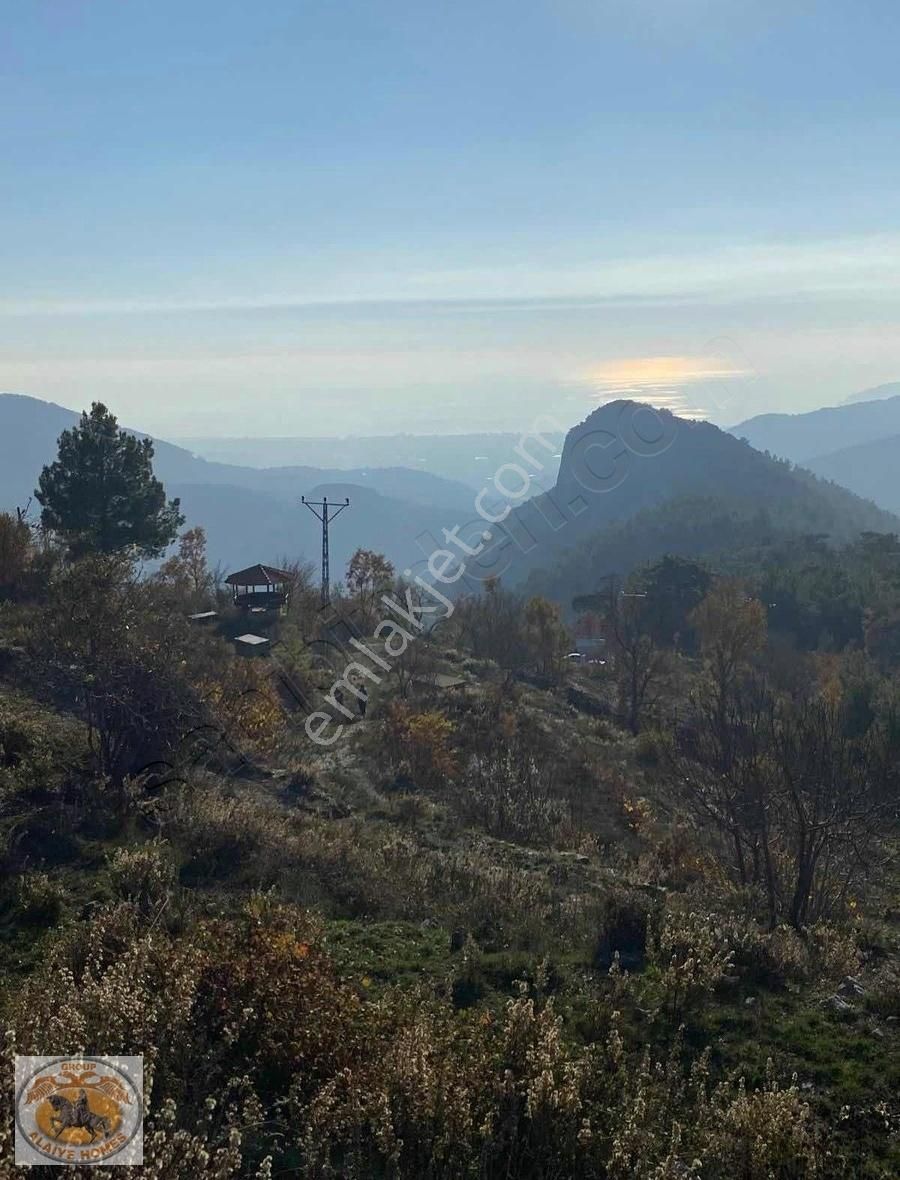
(253, 514)
(610, 479)
(469, 458)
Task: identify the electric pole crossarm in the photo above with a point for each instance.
(325, 513)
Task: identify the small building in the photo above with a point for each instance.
(260, 588)
(251, 645)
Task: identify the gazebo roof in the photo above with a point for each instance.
(259, 575)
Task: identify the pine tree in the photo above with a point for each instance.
(101, 494)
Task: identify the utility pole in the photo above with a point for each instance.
(325, 512)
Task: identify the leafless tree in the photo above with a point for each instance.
(638, 660)
(799, 805)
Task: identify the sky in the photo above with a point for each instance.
(319, 217)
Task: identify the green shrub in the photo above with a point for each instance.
(41, 900)
(143, 875)
(650, 747)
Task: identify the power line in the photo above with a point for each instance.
(325, 512)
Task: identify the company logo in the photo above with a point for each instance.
(79, 1110)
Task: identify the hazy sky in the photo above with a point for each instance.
(295, 217)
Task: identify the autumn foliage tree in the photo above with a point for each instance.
(546, 636)
(369, 575)
(418, 745)
(244, 700)
(187, 572)
(731, 626)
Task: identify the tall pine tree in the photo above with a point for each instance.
(101, 494)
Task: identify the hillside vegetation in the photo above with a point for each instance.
(525, 917)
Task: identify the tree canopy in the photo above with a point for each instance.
(101, 494)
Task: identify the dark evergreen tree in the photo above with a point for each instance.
(101, 494)
(674, 587)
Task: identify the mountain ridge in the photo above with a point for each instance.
(177, 464)
(623, 459)
(875, 393)
(802, 437)
(250, 514)
(870, 469)
(626, 471)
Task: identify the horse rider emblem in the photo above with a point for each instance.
(78, 1111)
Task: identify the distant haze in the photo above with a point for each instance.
(254, 513)
(317, 219)
(472, 458)
(879, 393)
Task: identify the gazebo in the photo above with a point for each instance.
(260, 588)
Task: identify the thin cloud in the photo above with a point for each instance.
(867, 264)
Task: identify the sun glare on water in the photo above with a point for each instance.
(665, 382)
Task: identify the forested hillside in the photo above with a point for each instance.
(638, 471)
(503, 913)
